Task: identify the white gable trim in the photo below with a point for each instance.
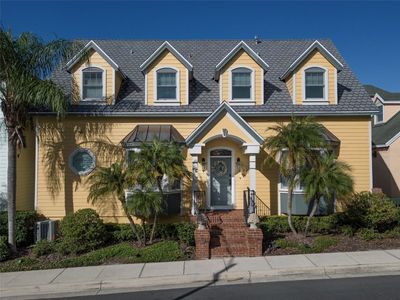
(236, 49)
(316, 45)
(160, 50)
(238, 120)
(94, 46)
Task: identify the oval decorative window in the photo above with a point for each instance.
(82, 161)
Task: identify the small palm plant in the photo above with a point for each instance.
(26, 64)
(291, 144)
(151, 165)
(112, 182)
(325, 177)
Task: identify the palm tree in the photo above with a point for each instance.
(325, 177)
(111, 182)
(143, 204)
(291, 143)
(155, 162)
(26, 63)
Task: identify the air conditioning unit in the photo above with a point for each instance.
(45, 230)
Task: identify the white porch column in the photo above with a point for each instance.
(195, 151)
(252, 150)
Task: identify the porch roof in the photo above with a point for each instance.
(148, 133)
(329, 136)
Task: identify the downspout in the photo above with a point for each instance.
(36, 163)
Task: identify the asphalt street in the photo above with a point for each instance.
(382, 287)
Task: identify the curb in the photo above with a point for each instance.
(196, 280)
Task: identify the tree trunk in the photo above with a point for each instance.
(11, 191)
(153, 229)
(289, 208)
(131, 222)
(144, 232)
(312, 213)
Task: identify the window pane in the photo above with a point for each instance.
(241, 79)
(92, 92)
(220, 152)
(314, 78)
(166, 92)
(92, 84)
(316, 92)
(166, 79)
(379, 116)
(241, 92)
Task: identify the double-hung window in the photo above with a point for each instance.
(92, 84)
(167, 84)
(315, 83)
(379, 115)
(241, 84)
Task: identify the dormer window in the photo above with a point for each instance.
(379, 115)
(167, 79)
(315, 87)
(93, 84)
(242, 84)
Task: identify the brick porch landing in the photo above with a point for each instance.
(227, 235)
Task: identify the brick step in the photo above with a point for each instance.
(229, 251)
(228, 239)
(229, 231)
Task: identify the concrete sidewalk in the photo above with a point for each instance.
(134, 277)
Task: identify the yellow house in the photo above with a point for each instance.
(217, 98)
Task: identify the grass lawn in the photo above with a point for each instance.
(119, 253)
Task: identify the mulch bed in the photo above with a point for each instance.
(344, 244)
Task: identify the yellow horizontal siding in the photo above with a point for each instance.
(167, 59)
(242, 59)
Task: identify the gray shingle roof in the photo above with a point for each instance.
(389, 96)
(204, 55)
(382, 133)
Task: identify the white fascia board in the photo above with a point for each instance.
(159, 50)
(315, 45)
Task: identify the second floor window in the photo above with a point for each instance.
(241, 84)
(315, 83)
(166, 84)
(379, 115)
(92, 83)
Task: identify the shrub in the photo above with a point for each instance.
(273, 225)
(5, 251)
(368, 234)
(44, 247)
(347, 230)
(371, 210)
(82, 231)
(25, 226)
(186, 232)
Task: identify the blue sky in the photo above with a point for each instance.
(366, 33)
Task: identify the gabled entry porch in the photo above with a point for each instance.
(224, 151)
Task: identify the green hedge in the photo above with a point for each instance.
(82, 231)
(273, 225)
(5, 251)
(182, 232)
(25, 226)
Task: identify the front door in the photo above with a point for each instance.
(221, 178)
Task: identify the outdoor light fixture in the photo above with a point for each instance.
(238, 165)
(203, 163)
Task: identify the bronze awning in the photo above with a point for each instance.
(148, 133)
(330, 137)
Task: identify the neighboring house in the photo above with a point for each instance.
(386, 141)
(218, 98)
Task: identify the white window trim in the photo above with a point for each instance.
(90, 169)
(378, 104)
(316, 101)
(104, 84)
(252, 91)
(167, 102)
